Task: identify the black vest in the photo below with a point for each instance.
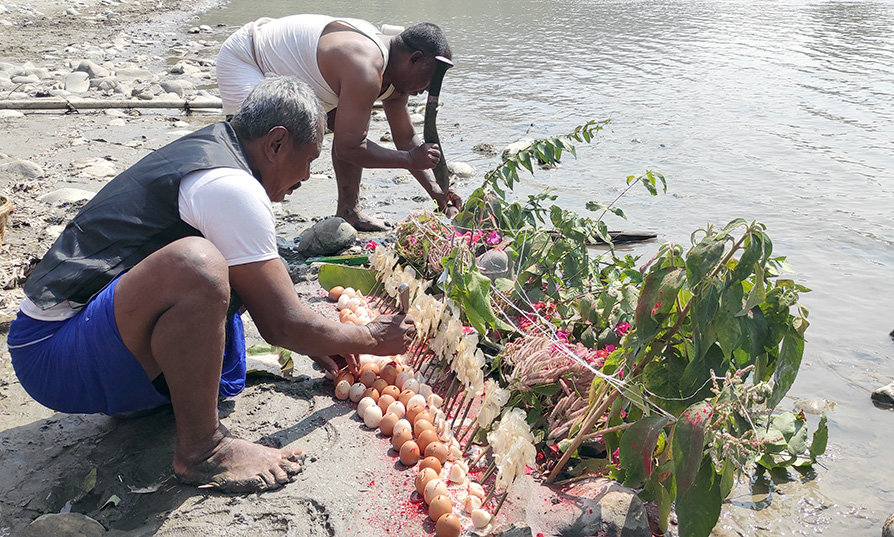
(135, 214)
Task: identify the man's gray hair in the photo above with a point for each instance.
(285, 101)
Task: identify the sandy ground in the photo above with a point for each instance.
(352, 484)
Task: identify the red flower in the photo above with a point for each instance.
(370, 245)
(622, 328)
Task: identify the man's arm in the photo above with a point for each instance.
(281, 318)
(406, 139)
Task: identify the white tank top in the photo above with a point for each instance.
(288, 46)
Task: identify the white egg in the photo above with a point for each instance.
(480, 518)
(372, 416)
(361, 312)
(350, 292)
(401, 378)
(412, 385)
(342, 390)
(357, 390)
(435, 488)
(416, 400)
(397, 408)
(424, 389)
(401, 424)
(368, 359)
(365, 403)
(343, 301)
(471, 503)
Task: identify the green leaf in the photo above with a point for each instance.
(698, 509)
(703, 258)
(727, 477)
(359, 278)
(113, 500)
(657, 297)
(820, 438)
(787, 365)
(637, 444)
(476, 302)
(689, 443)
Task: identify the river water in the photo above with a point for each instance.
(781, 112)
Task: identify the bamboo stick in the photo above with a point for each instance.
(588, 425)
(98, 104)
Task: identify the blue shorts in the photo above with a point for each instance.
(81, 365)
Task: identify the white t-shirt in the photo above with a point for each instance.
(229, 207)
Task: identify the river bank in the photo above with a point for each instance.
(115, 470)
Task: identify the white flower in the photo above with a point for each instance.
(513, 447)
(494, 399)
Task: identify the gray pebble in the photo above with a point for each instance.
(77, 82)
(22, 168)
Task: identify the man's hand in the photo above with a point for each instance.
(332, 365)
(392, 333)
(424, 157)
(447, 200)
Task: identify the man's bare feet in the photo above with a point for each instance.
(236, 465)
(363, 222)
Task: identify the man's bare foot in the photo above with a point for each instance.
(363, 222)
(236, 465)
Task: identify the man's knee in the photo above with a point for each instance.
(197, 265)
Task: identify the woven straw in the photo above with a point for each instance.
(6, 207)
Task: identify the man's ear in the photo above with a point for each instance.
(417, 56)
(275, 140)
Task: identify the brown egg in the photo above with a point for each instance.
(431, 462)
(389, 372)
(423, 477)
(380, 384)
(391, 390)
(422, 425)
(401, 436)
(448, 526)
(405, 396)
(344, 375)
(344, 315)
(335, 293)
(439, 507)
(384, 401)
(367, 377)
(424, 415)
(409, 453)
(425, 438)
(437, 450)
(386, 425)
(374, 367)
(371, 393)
(412, 411)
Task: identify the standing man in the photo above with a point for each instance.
(349, 65)
(135, 304)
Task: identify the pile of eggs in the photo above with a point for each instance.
(403, 407)
(351, 304)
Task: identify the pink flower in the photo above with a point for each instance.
(562, 335)
(411, 240)
(622, 328)
(493, 238)
(370, 245)
(609, 349)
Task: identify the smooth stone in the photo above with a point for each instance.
(11, 114)
(94, 167)
(66, 195)
(25, 79)
(130, 74)
(461, 169)
(77, 82)
(493, 264)
(512, 149)
(18, 96)
(178, 87)
(184, 68)
(417, 119)
(73, 12)
(93, 69)
(327, 237)
(105, 83)
(22, 168)
(619, 513)
(64, 525)
(884, 395)
(117, 122)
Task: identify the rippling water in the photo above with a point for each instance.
(782, 112)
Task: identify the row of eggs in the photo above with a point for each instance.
(418, 430)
